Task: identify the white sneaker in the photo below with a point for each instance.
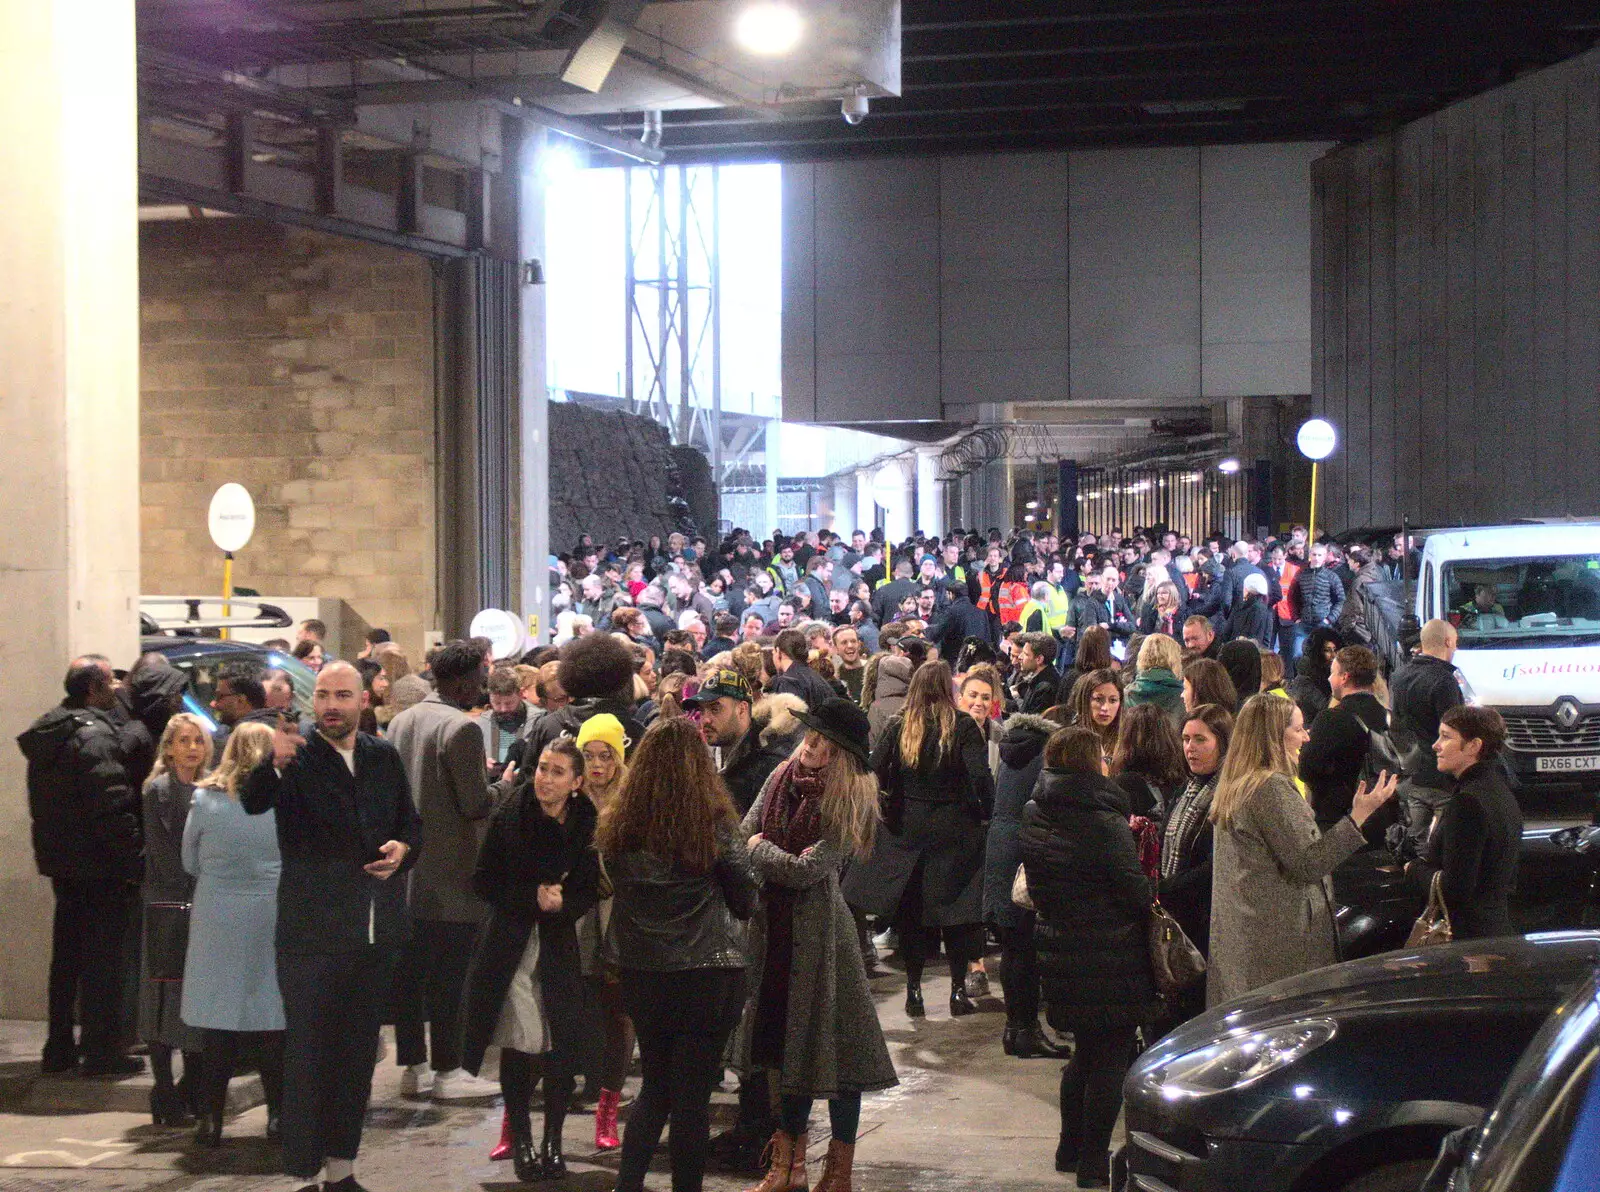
(416, 1081)
(460, 1085)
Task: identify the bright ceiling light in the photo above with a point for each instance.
(1228, 466)
(769, 28)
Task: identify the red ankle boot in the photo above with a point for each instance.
(605, 1121)
(502, 1149)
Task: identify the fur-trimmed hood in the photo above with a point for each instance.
(1023, 739)
(774, 715)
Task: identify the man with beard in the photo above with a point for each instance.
(346, 825)
(509, 720)
(848, 663)
(749, 754)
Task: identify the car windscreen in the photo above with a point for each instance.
(1521, 602)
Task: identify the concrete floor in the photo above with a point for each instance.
(964, 1118)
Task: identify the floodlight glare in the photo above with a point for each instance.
(768, 28)
(1228, 466)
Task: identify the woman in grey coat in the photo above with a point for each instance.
(1271, 893)
(181, 758)
(230, 977)
(812, 1018)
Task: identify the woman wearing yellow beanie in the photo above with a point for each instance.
(604, 747)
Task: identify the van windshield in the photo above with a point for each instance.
(1541, 600)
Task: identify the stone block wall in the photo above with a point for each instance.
(301, 366)
(610, 474)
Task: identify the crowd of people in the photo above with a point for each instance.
(754, 769)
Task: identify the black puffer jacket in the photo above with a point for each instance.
(85, 811)
(149, 698)
(1093, 902)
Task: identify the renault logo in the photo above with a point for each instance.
(1568, 714)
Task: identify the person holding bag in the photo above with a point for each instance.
(1093, 904)
(926, 868)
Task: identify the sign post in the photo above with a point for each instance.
(231, 520)
(1316, 440)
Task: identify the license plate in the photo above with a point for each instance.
(1566, 765)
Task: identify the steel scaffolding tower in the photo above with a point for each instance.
(674, 303)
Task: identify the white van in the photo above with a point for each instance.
(1526, 603)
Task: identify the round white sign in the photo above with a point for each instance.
(1317, 439)
(889, 485)
(504, 631)
(232, 517)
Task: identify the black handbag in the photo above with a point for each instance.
(166, 939)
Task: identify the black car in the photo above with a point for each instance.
(204, 658)
(1344, 1079)
(1544, 1133)
(1558, 889)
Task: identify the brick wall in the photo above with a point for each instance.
(301, 366)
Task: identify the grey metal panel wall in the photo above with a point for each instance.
(1456, 309)
(925, 288)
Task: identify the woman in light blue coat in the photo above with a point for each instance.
(230, 978)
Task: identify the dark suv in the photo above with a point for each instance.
(204, 658)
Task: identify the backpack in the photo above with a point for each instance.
(1385, 753)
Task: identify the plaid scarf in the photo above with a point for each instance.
(792, 818)
(1187, 817)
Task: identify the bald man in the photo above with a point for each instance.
(346, 827)
(1423, 690)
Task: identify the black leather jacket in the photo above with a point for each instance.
(666, 919)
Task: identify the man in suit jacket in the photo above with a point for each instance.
(346, 825)
(445, 759)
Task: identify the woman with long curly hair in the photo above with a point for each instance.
(812, 1020)
(1272, 897)
(926, 872)
(676, 858)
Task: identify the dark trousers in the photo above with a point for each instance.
(683, 1020)
(332, 1005)
(1091, 1094)
(86, 968)
(220, 1060)
(430, 984)
(1019, 972)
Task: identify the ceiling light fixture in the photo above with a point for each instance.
(769, 28)
(1228, 466)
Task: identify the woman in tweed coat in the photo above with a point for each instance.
(811, 1018)
(1271, 893)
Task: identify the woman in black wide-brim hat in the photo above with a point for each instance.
(811, 1018)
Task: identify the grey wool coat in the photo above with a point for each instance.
(1271, 894)
(832, 1041)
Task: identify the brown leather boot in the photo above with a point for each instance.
(787, 1165)
(837, 1168)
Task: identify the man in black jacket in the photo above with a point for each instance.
(346, 825)
(87, 840)
(1331, 761)
(1035, 688)
(1423, 690)
(956, 622)
(1102, 603)
(1479, 838)
(795, 677)
(1252, 616)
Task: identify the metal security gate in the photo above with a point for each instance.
(1192, 501)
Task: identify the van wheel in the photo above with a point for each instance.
(1391, 1177)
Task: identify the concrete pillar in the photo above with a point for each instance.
(845, 518)
(930, 492)
(534, 411)
(901, 509)
(773, 452)
(866, 505)
(69, 418)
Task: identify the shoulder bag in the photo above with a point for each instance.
(1175, 961)
(1019, 890)
(1433, 924)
